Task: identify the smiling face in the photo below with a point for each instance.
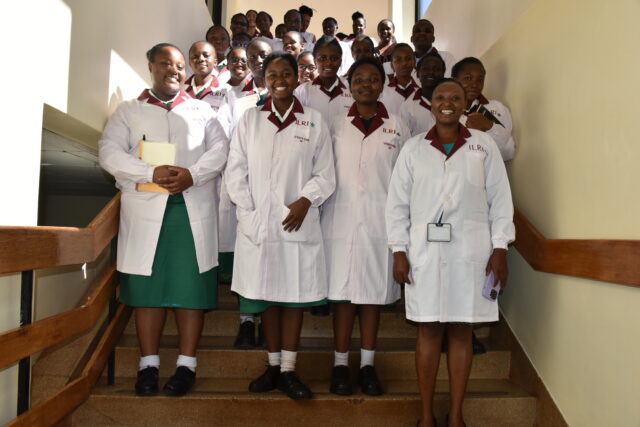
(366, 84)
(328, 60)
(292, 43)
(281, 80)
(256, 53)
(431, 70)
(471, 77)
(403, 61)
(239, 24)
(252, 15)
(219, 38)
(448, 103)
(422, 35)
(202, 58)
(263, 23)
(385, 31)
(237, 64)
(167, 72)
(329, 27)
(358, 26)
(307, 70)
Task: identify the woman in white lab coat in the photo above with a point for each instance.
(280, 171)
(490, 116)
(366, 142)
(203, 84)
(401, 86)
(167, 243)
(449, 220)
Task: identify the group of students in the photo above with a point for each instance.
(321, 184)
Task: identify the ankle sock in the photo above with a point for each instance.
(288, 361)
(366, 357)
(274, 358)
(149, 361)
(340, 359)
(187, 361)
(246, 318)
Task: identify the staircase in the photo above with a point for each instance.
(221, 396)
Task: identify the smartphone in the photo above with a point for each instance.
(488, 291)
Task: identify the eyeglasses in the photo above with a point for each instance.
(239, 45)
(241, 61)
(310, 68)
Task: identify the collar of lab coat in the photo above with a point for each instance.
(431, 49)
(336, 90)
(463, 134)
(213, 83)
(250, 87)
(179, 99)
(424, 102)
(297, 108)
(407, 91)
(479, 100)
(375, 124)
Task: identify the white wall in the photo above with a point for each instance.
(81, 57)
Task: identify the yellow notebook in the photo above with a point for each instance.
(156, 154)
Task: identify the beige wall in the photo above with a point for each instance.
(568, 72)
(81, 57)
(374, 12)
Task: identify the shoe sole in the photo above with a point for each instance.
(147, 393)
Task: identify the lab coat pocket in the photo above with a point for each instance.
(477, 241)
(418, 246)
(249, 224)
(309, 230)
(475, 168)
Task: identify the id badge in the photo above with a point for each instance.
(438, 232)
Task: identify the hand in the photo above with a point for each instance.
(179, 180)
(401, 268)
(498, 264)
(479, 122)
(160, 172)
(297, 212)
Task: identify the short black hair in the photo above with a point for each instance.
(280, 55)
(306, 10)
(329, 18)
(457, 69)
(363, 61)
(268, 16)
(431, 55)
(151, 53)
(387, 20)
(401, 46)
(200, 41)
(240, 14)
(213, 27)
(326, 42)
(233, 49)
(361, 37)
(304, 53)
(292, 10)
(447, 80)
(357, 15)
(251, 10)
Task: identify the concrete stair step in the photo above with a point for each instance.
(312, 364)
(226, 402)
(223, 323)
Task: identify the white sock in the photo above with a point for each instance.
(340, 359)
(274, 358)
(246, 318)
(152, 361)
(288, 361)
(187, 361)
(366, 357)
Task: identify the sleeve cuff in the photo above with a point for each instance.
(397, 248)
(194, 175)
(501, 244)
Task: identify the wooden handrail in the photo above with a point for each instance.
(27, 340)
(614, 261)
(66, 400)
(30, 248)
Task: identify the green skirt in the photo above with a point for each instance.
(258, 306)
(225, 267)
(175, 280)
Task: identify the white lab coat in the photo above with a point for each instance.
(472, 191)
(271, 166)
(213, 93)
(393, 97)
(500, 134)
(201, 146)
(337, 103)
(416, 114)
(359, 262)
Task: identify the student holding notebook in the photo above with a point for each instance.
(168, 238)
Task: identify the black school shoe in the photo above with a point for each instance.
(180, 383)
(340, 381)
(147, 382)
(267, 381)
(246, 337)
(289, 383)
(368, 380)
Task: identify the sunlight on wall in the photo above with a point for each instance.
(124, 81)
